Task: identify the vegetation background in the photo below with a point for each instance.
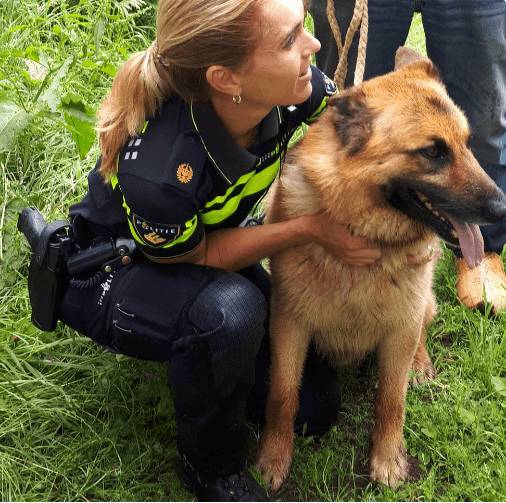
(81, 424)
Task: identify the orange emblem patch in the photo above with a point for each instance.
(154, 238)
(184, 173)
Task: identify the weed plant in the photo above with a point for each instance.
(80, 424)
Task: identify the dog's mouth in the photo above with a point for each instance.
(459, 235)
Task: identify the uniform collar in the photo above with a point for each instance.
(230, 159)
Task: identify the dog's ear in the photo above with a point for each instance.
(405, 56)
(352, 119)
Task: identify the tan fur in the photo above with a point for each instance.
(339, 167)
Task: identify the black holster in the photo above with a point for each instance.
(57, 258)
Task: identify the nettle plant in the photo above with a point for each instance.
(54, 56)
(57, 61)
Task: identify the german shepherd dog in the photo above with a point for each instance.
(390, 160)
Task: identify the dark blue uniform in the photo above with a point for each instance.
(181, 177)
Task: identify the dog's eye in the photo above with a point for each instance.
(432, 152)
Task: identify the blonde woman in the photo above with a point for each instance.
(192, 134)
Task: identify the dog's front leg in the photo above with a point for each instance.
(422, 363)
(289, 344)
(388, 455)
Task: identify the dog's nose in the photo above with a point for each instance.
(496, 208)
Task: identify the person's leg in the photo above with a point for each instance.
(389, 24)
(319, 395)
(208, 324)
(211, 373)
(466, 41)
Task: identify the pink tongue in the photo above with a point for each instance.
(470, 240)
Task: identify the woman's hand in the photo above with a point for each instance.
(337, 240)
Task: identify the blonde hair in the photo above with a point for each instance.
(191, 36)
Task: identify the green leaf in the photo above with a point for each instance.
(499, 384)
(50, 95)
(13, 120)
(424, 458)
(17, 53)
(466, 415)
(109, 69)
(88, 63)
(32, 52)
(429, 433)
(99, 32)
(83, 133)
(81, 121)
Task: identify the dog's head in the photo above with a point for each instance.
(405, 142)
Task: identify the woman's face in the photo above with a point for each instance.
(279, 73)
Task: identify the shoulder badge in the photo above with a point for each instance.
(184, 173)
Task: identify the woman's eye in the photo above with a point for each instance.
(290, 41)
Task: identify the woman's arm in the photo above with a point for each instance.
(239, 247)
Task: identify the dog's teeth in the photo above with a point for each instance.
(436, 213)
(428, 206)
(455, 234)
(421, 196)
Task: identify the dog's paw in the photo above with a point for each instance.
(390, 471)
(423, 370)
(274, 459)
(274, 472)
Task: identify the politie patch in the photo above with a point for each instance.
(155, 235)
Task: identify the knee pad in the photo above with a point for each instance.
(229, 313)
(231, 303)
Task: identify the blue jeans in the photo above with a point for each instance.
(466, 40)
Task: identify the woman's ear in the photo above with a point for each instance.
(223, 80)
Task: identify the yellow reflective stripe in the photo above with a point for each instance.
(319, 111)
(114, 180)
(190, 227)
(257, 183)
(242, 180)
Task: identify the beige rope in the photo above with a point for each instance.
(360, 18)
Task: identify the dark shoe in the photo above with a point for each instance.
(235, 487)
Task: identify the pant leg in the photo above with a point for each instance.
(389, 24)
(228, 316)
(466, 39)
(207, 323)
(319, 395)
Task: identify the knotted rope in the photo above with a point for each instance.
(360, 18)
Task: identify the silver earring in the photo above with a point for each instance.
(237, 99)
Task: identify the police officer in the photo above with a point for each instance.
(192, 135)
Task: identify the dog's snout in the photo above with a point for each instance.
(496, 209)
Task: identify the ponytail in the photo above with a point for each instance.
(137, 91)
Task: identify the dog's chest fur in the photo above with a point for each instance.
(347, 309)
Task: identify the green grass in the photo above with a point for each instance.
(81, 424)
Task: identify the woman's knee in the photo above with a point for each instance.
(227, 320)
(231, 304)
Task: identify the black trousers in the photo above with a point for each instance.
(210, 326)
